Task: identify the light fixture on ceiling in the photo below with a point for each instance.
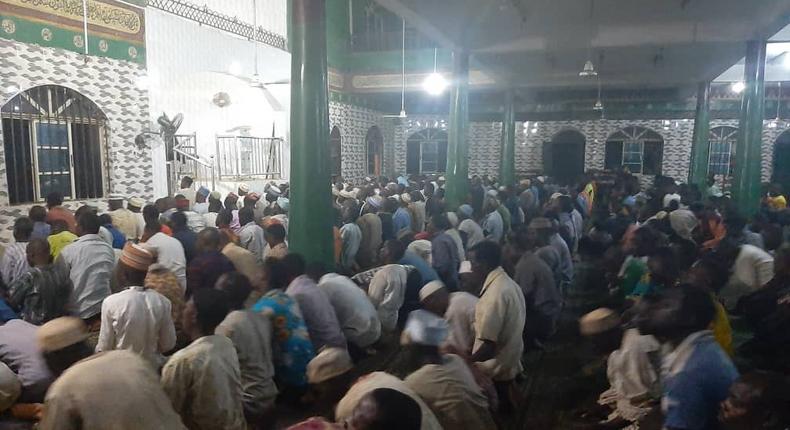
(434, 84)
(738, 87)
(776, 122)
(589, 68)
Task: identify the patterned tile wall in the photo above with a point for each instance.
(354, 123)
(110, 84)
(485, 143)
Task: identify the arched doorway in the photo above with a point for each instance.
(426, 151)
(54, 141)
(563, 156)
(335, 150)
(781, 163)
(374, 142)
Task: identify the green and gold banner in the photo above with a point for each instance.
(115, 29)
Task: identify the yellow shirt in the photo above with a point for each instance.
(59, 241)
(722, 331)
(778, 202)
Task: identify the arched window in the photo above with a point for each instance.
(638, 149)
(335, 150)
(426, 151)
(53, 138)
(722, 148)
(374, 142)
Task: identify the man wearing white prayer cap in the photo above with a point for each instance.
(444, 382)
(422, 248)
(457, 308)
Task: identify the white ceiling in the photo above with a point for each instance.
(633, 43)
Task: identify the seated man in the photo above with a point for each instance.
(275, 241)
(113, 390)
(203, 380)
(443, 381)
(138, 318)
(697, 373)
(13, 263)
(251, 334)
(42, 293)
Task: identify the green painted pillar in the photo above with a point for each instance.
(507, 165)
(311, 214)
(457, 174)
(700, 149)
(748, 154)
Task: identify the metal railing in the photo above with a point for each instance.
(248, 157)
(185, 161)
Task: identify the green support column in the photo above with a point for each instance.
(310, 232)
(748, 154)
(457, 174)
(700, 149)
(507, 164)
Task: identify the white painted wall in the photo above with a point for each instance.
(188, 64)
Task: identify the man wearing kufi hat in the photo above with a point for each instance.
(201, 204)
(401, 219)
(135, 205)
(137, 318)
(187, 190)
(122, 218)
(116, 389)
(457, 308)
(443, 381)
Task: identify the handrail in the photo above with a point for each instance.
(193, 158)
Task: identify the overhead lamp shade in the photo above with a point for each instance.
(434, 84)
(598, 105)
(589, 70)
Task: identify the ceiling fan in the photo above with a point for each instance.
(402, 113)
(255, 81)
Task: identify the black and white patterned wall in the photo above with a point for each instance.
(354, 123)
(111, 84)
(485, 142)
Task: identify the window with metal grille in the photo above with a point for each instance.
(426, 151)
(722, 148)
(638, 149)
(54, 140)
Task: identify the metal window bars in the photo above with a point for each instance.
(231, 24)
(248, 157)
(55, 139)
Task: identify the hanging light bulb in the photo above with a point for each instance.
(588, 70)
(434, 84)
(598, 105)
(738, 87)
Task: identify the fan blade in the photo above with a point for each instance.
(279, 82)
(275, 104)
